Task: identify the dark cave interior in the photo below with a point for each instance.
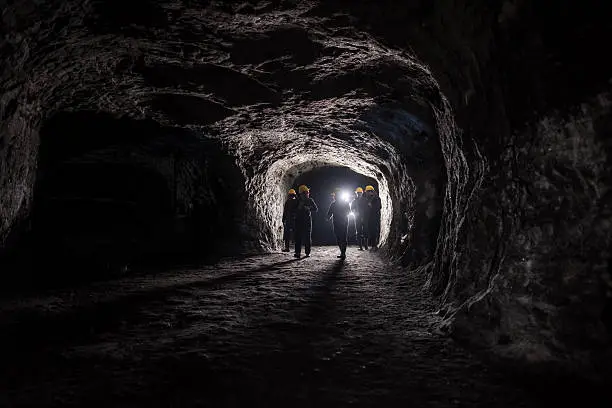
(133, 143)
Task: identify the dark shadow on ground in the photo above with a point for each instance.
(40, 275)
(27, 331)
(298, 364)
(300, 357)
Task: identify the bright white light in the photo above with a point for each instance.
(345, 196)
(351, 214)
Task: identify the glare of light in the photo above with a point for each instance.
(351, 214)
(345, 196)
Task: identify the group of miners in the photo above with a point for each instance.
(363, 206)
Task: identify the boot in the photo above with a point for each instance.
(286, 248)
(365, 244)
(360, 240)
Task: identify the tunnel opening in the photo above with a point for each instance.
(412, 155)
(275, 180)
(100, 202)
(114, 193)
(322, 181)
(98, 213)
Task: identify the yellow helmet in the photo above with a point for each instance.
(291, 191)
(359, 190)
(303, 189)
(369, 188)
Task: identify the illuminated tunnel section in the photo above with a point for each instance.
(322, 181)
(285, 172)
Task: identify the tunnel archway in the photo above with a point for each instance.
(283, 174)
(412, 156)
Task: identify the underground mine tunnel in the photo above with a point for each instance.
(146, 153)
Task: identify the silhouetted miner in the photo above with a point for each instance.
(289, 218)
(373, 221)
(360, 210)
(303, 221)
(339, 212)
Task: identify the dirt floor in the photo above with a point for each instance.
(260, 331)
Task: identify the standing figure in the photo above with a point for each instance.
(289, 218)
(339, 212)
(303, 221)
(360, 210)
(373, 222)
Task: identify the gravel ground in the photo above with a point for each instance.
(259, 331)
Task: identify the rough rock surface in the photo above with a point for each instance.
(551, 273)
(266, 83)
(262, 331)
(487, 122)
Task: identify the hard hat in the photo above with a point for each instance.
(359, 190)
(369, 188)
(303, 189)
(291, 191)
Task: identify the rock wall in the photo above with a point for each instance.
(18, 147)
(545, 295)
(537, 290)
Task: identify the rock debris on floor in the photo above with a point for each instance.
(259, 331)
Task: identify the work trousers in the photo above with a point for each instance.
(288, 227)
(341, 232)
(303, 236)
(361, 231)
(373, 231)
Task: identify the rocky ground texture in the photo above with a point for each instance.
(258, 331)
